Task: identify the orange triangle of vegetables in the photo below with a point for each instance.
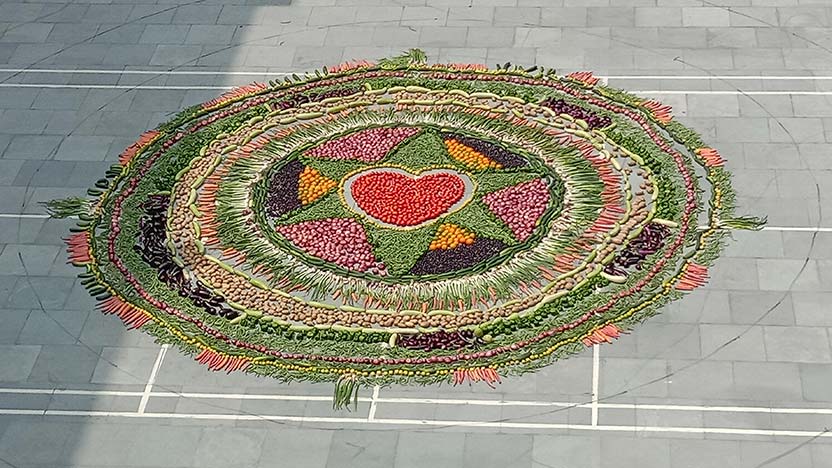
(449, 236)
(312, 185)
(469, 156)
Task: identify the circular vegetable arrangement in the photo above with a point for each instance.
(402, 222)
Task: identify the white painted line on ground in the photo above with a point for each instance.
(89, 86)
(717, 409)
(373, 403)
(244, 396)
(148, 388)
(731, 92)
(63, 391)
(430, 401)
(797, 228)
(224, 88)
(428, 423)
(596, 375)
(254, 72)
(23, 216)
(718, 77)
(480, 402)
(23, 412)
(786, 228)
(61, 71)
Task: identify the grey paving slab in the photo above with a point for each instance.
(629, 377)
(797, 344)
(32, 259)
(668, 340)
(123, 54)
(205, 406)
(465, 16)
(79, 298)
(696, 453)
(707, 306)
(746, 344)
(64, 365)
(27, 32)
(114, 403)
(810, 308)
(212, 450)
(351, 448)
(24, 401)
(53, 326)
(30, 442)
(74, 123)
(210, 34)
(146, 13)
(119, 33)
(83, 148)
(17, 362)
(5, 139)
(13, 321)
(71, 32)
(634, 451)
(655, 418)
(416, 449)
(164, 34)
(816, 379)
(175, 55)
(12, 199)
(102, 445)
(545, 415)
(753, 454)
(700, 380)
(24, 121)
(765, 243)
(566, 451)
(197, 14)
(768, 381)
(296, 447)
(467, 413)
(7, 283)
(495, 450)
(124, 365)
(160, 445)
(100, 330)
(280, 57)
(820, 453)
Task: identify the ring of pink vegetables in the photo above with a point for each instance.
(641, 120)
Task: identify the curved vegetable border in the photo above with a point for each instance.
(83, 248)
(218, 148)
(234, 239)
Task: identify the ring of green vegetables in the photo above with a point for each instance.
(156, 182)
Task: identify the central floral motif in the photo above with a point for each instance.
(396, 197)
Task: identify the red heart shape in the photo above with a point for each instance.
(405, 200)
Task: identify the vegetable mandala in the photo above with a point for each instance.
(400, 222)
